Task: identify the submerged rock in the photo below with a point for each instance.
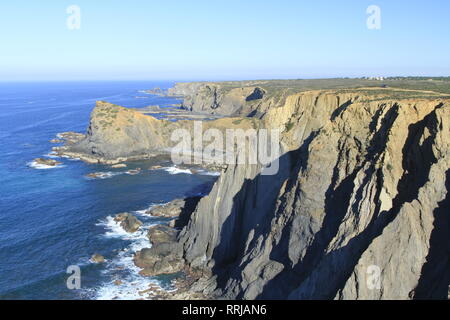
(47, 162)
(128, 222)
(97, 258)
(119, 165)
(134, 171)
(98, 175)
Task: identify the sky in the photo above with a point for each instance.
(221, 39)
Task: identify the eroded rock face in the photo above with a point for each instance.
(47, 162)
(217, 98)
(128, 222)
(362, 186)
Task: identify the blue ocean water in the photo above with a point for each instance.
(51, 219)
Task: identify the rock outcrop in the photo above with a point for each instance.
(47, 162)
(97, 258)
(216, 98)
(117, 134)
(161, 234)
(128, 222)
(164, 257)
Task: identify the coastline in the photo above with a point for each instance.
(352, 133)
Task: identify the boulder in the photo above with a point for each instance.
(181, 208)
(162, 258)
(167, 210)
(161, 233)
(134, 171)
(97, 258)
(119, 165)
(98, 175)
(128, 222)
(47, 162)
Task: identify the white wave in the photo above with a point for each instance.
(102, 175)
(40, 166)
(55, 155)
(116, 231)
(143, 212)
(131, 285)
(52, 155)
(175, 170)
(208, 173)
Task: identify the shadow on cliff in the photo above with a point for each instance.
(435, 275)
(338, 265)
(236, 228)
(337, 201)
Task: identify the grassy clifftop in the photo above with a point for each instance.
(250, 98)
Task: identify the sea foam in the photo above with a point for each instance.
(40, 166)
(121, 268)
(175, 170)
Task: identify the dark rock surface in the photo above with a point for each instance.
(178, 208)
(128, 222)
(162, 234)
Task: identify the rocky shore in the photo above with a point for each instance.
(363, 182)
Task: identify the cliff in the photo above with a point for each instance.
(221, 99)
(359, 208)
(363, 184)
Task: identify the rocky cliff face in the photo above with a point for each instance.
(362, 189)
(221, 99)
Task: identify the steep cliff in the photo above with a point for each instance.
(362, 188)
(224, 98)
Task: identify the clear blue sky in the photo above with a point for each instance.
(218, 40)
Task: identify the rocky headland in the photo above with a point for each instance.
(362, 185)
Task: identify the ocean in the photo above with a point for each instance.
(53, 218)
